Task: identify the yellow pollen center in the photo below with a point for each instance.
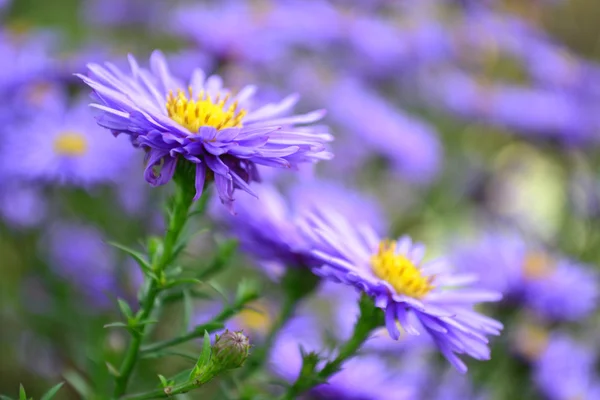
(203, 111)
(537, 265)
(70, 144)
(255, 319)
(399, 271)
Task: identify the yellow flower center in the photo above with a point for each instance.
(255, 319)
(537, 265)
(203, 111)
(70, 144)
(531, 340)
(399, 271)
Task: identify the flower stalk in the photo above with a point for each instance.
(163, 257)
(369, 319)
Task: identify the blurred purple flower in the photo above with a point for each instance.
(414, 295)
(568, 292)
(525, 274)
(230, 31)
(566, 370)
(268, 226)
(408, 143)
(79, 255)
(21, 205)
(69, 149)
(222, 135)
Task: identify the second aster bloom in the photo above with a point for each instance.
(225, 135)
(69, 149)
(416, 296)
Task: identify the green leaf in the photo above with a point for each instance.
(204, 358)
(116, 325)
(3, 397)
(217, 288)
(163, 381)
(125, 309)
(52, 392)
(22, 394)
(136, 255)
(112, 370)
(181, 377)
(247, 291)
(78, 383)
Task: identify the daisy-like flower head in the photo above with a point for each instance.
(69, 149)
(416, 296)
(222, 133)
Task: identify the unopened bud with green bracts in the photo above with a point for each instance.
(231, 349)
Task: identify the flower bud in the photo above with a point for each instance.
(231, 349)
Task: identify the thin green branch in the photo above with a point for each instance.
(177, 218)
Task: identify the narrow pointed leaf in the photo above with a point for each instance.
(78, 383)
(163, 381)
(22, 394)
(116, 325)
(125, 309)
(112, 370)
(136, 255)
(204, 359)
(52, 392)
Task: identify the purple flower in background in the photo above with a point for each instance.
(498, 261)
(415, 295)
(411, 145)
(566, 371)
(26, 80)
(267, 227)
(21, 205)
(69, 149)
(566, 292)
(223, 134)
(525, 274)
(79, 255)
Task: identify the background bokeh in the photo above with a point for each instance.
(474, 125)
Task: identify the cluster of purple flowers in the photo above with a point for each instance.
(349, 96)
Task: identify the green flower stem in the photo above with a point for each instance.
(173, 390)
(297, 284)
(198, 332)
(177, 217)
(370, 318)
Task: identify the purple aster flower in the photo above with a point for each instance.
(565, 370)
(268, 227)
(79, 254)
(202, 123)
(411, 145)
(22, 206)
(69, 148)
(25, 81)
(415, 295)
(551, 294)
(526, 274)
